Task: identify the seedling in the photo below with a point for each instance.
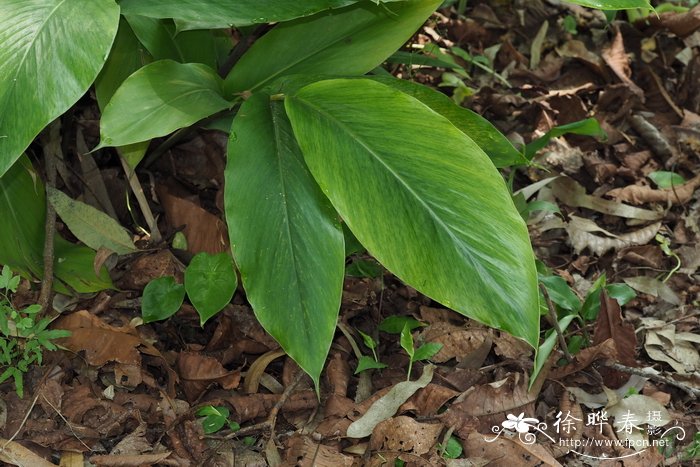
(665, 245)
(365, 362)
(452, 449)
(215, 418)
(23, 337)
(424, 352)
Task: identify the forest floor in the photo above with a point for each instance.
(621, 211)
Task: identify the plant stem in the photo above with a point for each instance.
(552, 315)
(52, 149)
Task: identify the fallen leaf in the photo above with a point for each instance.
(619, 62)
(405, 434)
(639, 194)
(197, 372)
(580, 236)
(302, 450)
(387, 405)
(610, 325)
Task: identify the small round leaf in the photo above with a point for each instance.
(210, 281)
(162, 297)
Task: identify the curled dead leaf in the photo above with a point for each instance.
(638, 194)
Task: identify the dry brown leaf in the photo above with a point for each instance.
(304, 451)
(198, 371)
(148, 267)
(428, 401)
(580, 236)
(129, 460)
(619, 62)
(257, 368)
(72, 459)
(490, 404)
(663, 344)
(571, 193)
(15, 454)
(457, 342)
(610, 325)
(405, 434)
(101, 342)
(604, 350)
(638, 194)
(506, 451)
(203, 230)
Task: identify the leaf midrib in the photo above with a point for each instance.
(30, 46)
(456, 241)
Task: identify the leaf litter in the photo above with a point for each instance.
(124, 393)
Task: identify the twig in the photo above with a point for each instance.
(141, 198)
(269, 423)
(24, 420)
(552, 315)
(68, 424)
(694, 393)
(52, 149)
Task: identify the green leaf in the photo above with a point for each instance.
(222, 14)
(364, 268)
(164, 42)
(351, 41)
(394, 324)
(489, 139)
(127, 56)
(560, 293)
(50, 53)
(158, 99)
(212, 424)
(23, 210)
(367, 339)
(623, 293)
(545, 349)
(366, 363)
(426, 351)
(92, 227)
(587, 127)
(453, 448)
(591, 305)
(614, 4)
(213, 411)
(407, 341)
(210, 281)
(664, 179)
(285, 236)
(422, 197)
(162, 297)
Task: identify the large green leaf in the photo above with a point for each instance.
(422, 197)
(23, 210)
(91, 226)
(351, 41)
(50, 53)
(127, 56)
(614, 4)
(489, 139)
(284, 234)
(162, 41)
(212, 14)
(158, 99)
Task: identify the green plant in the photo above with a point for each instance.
(452, 449)
(692, 451)
(312, 141)
(665, 245)
(215, 418)
(23, 335)
(365, 362)
(210, 282)
(424, 352)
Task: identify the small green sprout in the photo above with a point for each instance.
(424, 352)
(215, 418)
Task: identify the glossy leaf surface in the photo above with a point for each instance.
(351, 41)
(614, 4)
(50, 53)
(162, 297)
(212, 14)
(489, 139)
(159, 99)
(23, 209)
(284, 234)
(422, 197)
(210, 281)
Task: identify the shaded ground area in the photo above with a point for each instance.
(128, 394)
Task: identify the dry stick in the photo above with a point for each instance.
(52, 149)
(269, 423)
(552, 315)
(141, 198)
(68, 424)
(694, 393)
